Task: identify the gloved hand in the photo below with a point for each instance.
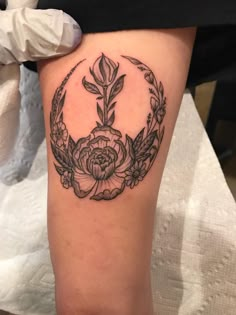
(27, 34)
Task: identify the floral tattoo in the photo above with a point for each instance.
(101, 165)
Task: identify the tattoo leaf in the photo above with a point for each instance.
(142, 68)
(60, 170)
(61, 117)
(57, 95)
(111, 106)
(130, 146)
(71, 146)
(161, 89)
(90, 87)
(152, 157)
(143, 157)
(61, 103)
(51, 121)
(133, 60)
(138, 140)
(100, 112)
(151, 91)
(147, 143)
(116, 88)
(60, 156)
(162, 133)
(55, 104)
(111, 119)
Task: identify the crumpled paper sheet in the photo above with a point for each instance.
(194, 251)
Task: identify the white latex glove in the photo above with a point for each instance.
(27, 34)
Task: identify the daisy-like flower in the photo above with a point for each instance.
(59, 133)
(135, 174)
(66, 179)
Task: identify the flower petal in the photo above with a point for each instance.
(128, 182)
(54, 137)
(128, 177)
(129, 173)
(62, 126)
(97, 77)
(127, 161)
(82, 143)
(65, 135)
(60, 142)
(109, 188)
(107, 132)
(66, 184)
(143, 172)
(132, 185)
(99, 142)
(120, 149)
(83, 184)
(83, 158)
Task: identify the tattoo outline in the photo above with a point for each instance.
(101, 164)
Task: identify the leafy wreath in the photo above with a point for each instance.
(101, 165)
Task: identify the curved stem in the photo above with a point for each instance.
(151, 127)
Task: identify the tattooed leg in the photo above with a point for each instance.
(110, 110)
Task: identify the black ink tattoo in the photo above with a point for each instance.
(102, 164)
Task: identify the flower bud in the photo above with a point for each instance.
(160, 113)
(104, 71)
(153, 103)
(149, 77)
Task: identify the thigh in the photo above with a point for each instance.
(110, 109)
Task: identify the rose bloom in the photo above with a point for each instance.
(101, 160)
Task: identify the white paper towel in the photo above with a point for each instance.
(194, 254)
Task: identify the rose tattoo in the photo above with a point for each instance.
(102, 164)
